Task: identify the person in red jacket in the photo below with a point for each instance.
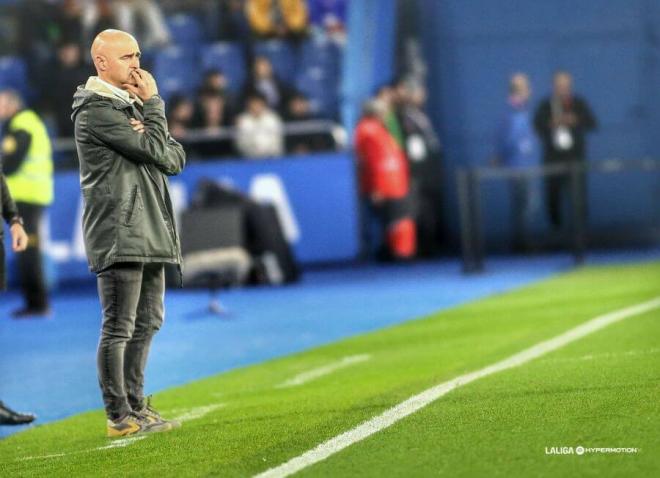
(385, 182)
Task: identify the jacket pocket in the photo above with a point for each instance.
(133, 207)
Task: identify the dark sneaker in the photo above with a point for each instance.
(10, 417)
(134, 424)
(149, 413)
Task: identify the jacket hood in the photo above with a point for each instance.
(94, 90)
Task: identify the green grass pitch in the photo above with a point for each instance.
(600, 391)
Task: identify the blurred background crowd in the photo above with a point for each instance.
(250, 64)
(383, 101)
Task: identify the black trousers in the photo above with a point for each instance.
(30, 263)
(558, 191)
(131, 297)
(524, 201)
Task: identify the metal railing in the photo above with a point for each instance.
(469, 182)
(196, 136)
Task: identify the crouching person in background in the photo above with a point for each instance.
(385, 183)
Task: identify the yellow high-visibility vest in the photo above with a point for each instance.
(33, 181)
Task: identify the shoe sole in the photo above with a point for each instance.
(142, 431)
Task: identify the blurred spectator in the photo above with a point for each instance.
(147, 13)
(278, 18)
(385, 183)
(215, 80)
(386, 95)
(37, 28)
(298, 110)
(421, 140)
(259, 131)
(264, 81)
(423, 152)
(233, 24)
(180, 115)
(98, 15)
(28, 165)
(38, 33)
(517, 147)
(212, 111)
(70, 72)
(69, 23)
(561, 121)
(329, 16)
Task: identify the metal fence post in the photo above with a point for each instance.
(577, 173)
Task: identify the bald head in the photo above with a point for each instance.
(115, 54)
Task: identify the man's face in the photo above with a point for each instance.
(69, 54)
(214, 106)
(299, 107)
(256, 106)
(217, 81)
(262, 68)
(184, 111)
(418, 96)
(386, 95)
(7, 106)
(563, 85)
(522, 87)
(118, 59)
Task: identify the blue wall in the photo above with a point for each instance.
(611, 46)
(320, 216)
(369, 60)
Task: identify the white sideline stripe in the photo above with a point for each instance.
(419, 401)
(629, 353)
(186, 415)
(324, 370)
(120, 443)
(198, 412)
(41, 457)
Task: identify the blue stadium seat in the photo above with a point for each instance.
(320, 52)
(13, 74)
(227, 57)
(186, 30)
(321, 89)
(177, 70)
(281, 55)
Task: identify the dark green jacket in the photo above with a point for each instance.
(128, 214)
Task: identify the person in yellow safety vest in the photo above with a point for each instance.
(27, 163)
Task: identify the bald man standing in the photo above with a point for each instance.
(126, 154)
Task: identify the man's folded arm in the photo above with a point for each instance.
(153, 146)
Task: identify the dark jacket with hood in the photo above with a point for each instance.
(128, 214)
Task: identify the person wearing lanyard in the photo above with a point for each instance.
(562, 122)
